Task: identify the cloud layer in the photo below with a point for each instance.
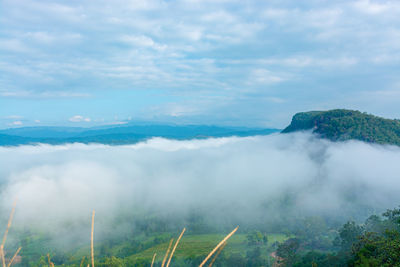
(232, 180)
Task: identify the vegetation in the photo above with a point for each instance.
(374, 243)
(310, 241)
(248, 249)
(342, 124)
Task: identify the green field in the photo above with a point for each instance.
(141, 248)
(199, 245)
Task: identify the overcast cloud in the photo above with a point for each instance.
(220, 62)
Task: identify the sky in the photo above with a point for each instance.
(242, 63)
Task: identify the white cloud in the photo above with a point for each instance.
(374, 7)
(79, 118)
(14, 117)
(264, 76)
(14, 45)
(50, 38)
(143, 41)
(276, 100)
(317, 175)
(41, 37)
(117, 123)
(15, 123)
(219, 17)
(307, 61)
(42, 94)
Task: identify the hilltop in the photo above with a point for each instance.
(343, 124)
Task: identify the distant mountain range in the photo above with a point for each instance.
(336, 125)
(121, 134)
(343, 124)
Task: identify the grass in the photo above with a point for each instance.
(190, 246)
(218, 246)
(201, 245)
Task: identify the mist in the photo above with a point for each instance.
(232, 180)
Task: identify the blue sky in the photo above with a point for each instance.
(247, 63)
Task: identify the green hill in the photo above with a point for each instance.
(342, 124)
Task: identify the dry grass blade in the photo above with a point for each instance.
(8, 224)
(167, 253)
(13, 258)
(6, 233)
(83, 259)
(217, 254)
(91, 240)
(176, 244)
(50, 263)
(152, 261)
(2, 255)
(220, 244)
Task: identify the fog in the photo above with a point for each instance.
(235, 180)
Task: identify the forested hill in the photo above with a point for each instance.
(342, 124)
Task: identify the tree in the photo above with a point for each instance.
(377, 250)
(348, 235)
(114, 262)
(256, 238)
(254, 258)
(288, 251)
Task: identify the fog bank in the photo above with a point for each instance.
(243, 179)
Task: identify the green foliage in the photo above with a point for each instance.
(374, 249)
(113, 262)
(313, 232)
(375, 243)
(314, 258)
(310, 242)
(349, 234)
(254, 258)
(342, 124)
(256, 238)
(288, 251)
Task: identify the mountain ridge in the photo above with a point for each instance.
(120, 134)
(345, 124)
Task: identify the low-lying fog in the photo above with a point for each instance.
(241, 180)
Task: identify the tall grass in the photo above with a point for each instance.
(176, 244)
(217, 249)
(6, 233)
(83, 259)
(217, 254)
(219, 244)
(91, 240)
(167, 253)
(152, 261)
(13, 258)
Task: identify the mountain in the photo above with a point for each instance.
(10, 140)
(343, 124)
(121, 134)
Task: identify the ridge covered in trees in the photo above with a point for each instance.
(343, 124)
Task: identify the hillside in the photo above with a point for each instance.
(342, 124)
